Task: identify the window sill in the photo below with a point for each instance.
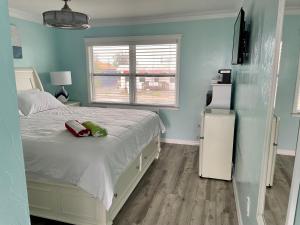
(132, 106)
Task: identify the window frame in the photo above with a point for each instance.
(131, 41)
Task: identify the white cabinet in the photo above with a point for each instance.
(216, 144)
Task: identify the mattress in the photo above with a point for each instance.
(94, 164)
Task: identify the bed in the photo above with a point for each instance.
(84, 181)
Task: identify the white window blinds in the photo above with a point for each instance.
(159, 59)
(110, 59)
(139, 71)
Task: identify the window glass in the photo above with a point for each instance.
(156, 90)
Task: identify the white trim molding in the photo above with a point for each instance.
(19, 14)
(134, 20)
(294, 192)
(150, 39)
(237, 202)
(179, 141)
(270, 112)
(163, 18)
(168, 18)
(290, 152)
(296, 106)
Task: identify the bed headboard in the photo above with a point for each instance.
(27, 79)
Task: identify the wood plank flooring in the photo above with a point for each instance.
(277, 197)
(171, 193)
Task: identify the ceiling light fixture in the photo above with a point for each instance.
(66, 18)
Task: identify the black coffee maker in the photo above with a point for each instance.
(225, 76)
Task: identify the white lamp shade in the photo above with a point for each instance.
(61, 78)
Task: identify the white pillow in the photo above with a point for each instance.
(23, 91)
(33, 102)
(20, 113)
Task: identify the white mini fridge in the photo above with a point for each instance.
(216, 144)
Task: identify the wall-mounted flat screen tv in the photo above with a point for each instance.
(239, 39)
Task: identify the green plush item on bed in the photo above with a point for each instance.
(95, 129)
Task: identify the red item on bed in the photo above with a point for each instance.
(77, 129)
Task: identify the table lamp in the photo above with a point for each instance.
(61, 78)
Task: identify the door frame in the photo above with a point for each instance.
(294, 192)
(270, 112)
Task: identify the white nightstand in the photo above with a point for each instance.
(72, 103)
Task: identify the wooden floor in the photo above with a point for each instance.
(171, 192)
(277, 197)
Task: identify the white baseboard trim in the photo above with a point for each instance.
(179, 141)
(237, 202)
(290, 152)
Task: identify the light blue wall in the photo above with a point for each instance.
(39, 49)
(206, 47)
(13, 194)
(288, 127)
(252, 95)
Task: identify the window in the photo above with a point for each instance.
(134, 70)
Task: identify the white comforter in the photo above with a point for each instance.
(94, 164)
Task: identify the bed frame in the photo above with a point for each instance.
(69, 203)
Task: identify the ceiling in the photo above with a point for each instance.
(124, 9)
(111, 9)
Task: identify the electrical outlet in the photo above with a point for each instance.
(248, 206)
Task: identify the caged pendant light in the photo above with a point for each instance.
(66, 18)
